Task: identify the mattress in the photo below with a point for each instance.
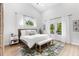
(30, 40)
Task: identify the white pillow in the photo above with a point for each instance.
(28, 32)
(23, 33)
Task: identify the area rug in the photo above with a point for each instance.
(52, 50)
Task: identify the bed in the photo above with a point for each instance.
(31, 40)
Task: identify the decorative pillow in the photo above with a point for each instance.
(33, 32)
(30, 32)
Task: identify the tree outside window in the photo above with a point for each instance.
(59, 28)
(52, 28)
(29, 23)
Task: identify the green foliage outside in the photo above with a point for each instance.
(52, 28)
(29, 23)
(59, 28)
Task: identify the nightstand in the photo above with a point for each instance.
(13, 40)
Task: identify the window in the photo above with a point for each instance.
(52, 28)
(59, 28)
(55, 26)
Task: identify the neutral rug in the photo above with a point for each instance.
(52, 50)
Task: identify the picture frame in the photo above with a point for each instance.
(76, 25)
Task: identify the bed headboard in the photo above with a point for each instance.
(19, 32)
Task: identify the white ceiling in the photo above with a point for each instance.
(43, 6)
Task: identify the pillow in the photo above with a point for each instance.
(23, 33)
(28, 32)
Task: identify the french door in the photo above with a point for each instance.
(1, 29)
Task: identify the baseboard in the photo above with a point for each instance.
(75, 43)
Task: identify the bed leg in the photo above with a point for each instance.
(47, 44)
(36, 47)
(40, 49)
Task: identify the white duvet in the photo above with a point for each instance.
(30, 40)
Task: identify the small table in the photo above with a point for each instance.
(13, 40)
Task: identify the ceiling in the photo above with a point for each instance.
(43, 6)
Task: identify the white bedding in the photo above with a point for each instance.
(32, 39)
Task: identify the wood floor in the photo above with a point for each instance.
(12, 50)
(69, 50)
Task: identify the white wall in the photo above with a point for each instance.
(63, 10)
(10, 20)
